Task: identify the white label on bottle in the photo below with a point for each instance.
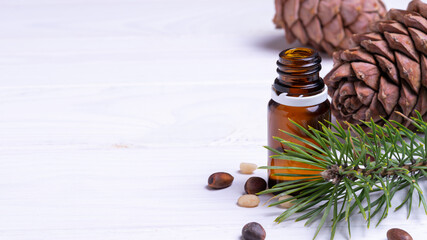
(300, 101)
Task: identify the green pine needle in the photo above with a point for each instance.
(355, 161)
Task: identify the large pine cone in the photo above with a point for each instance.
(385, 71)
(326, 25)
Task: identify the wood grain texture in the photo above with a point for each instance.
(114, 113)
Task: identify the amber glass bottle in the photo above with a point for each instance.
(298, 93)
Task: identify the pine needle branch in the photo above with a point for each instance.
(350, 163)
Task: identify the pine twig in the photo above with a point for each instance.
(383, 159)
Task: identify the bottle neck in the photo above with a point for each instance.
(298, 70)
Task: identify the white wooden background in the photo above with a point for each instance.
(113, 113)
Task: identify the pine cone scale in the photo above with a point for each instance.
(387, 95)
(342, 71)
(420, 40)
(388, 68)
(328, 10)
(407, 100)
(357, 54)
(299, 32)
(400, 42)
(364, 93)
(392, 27)
(417, 22)
(409, 70)
(378, 47)
(308, 11)
(291, 8)
(375, 110)
(419, 7)
(424, 70)
(421, 105)
(368, 73)
(336, 31)
(351, 10)
(314, 30)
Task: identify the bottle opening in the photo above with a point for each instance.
(297, 53)
(299, 61)
(298, 70)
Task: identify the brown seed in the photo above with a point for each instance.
(255, 184)
(398, 234)
(220, 180)
(253, 231)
